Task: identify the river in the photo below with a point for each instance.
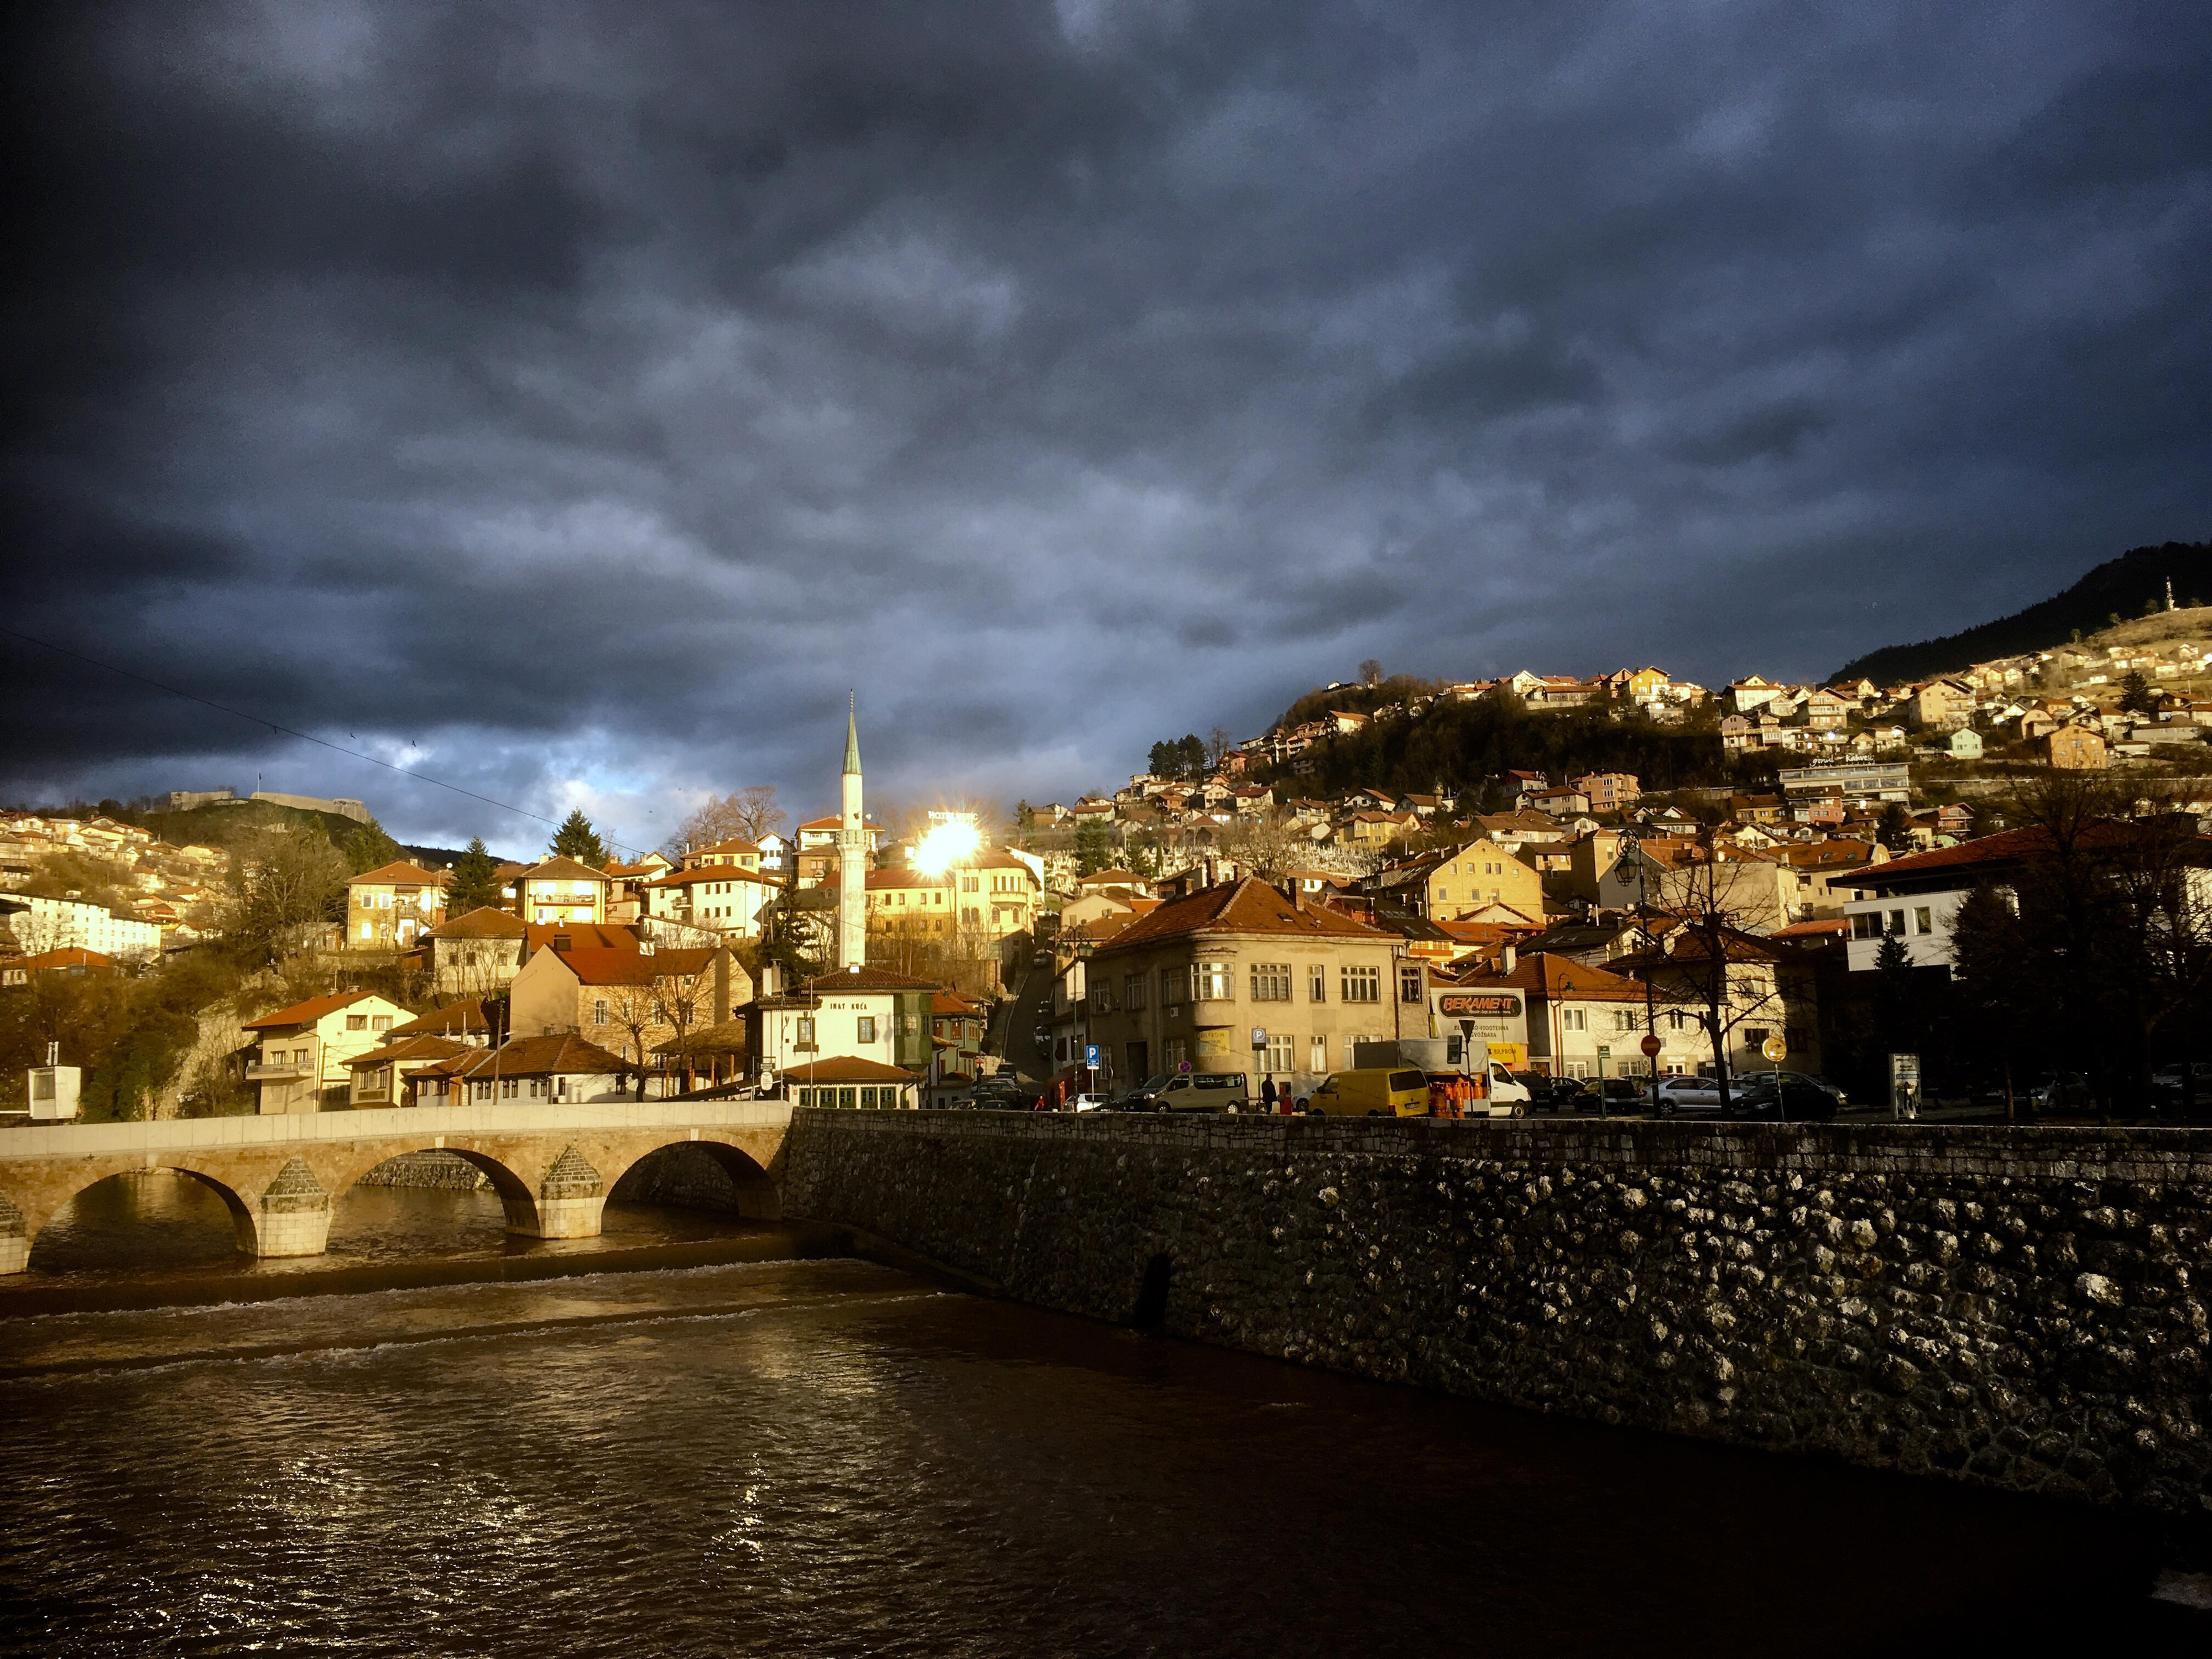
(829, 1457)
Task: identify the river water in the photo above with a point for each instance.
(833, 1457)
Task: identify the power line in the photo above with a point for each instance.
(287, 731)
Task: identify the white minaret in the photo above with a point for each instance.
(852, 858)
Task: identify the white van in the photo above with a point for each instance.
(1499, 1096)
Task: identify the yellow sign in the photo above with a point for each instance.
(1513, 1056)
(1775, 1050)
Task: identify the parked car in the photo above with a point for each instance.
(1189, 1091)
(2063, 1091)
(1490, 1093)
(1000, 1094)
(1090, 1101)
(1679, 1095)
(1789, 1098)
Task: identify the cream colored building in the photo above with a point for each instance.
(387, 909)
(300, 1063)
(1192, 983)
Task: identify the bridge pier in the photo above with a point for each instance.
(292, 1216)
(571, 1199)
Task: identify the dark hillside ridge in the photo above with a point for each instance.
(2125, 585)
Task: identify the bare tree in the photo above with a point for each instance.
(1370, 672)
(748, 814)
(284, 887)
(1220, 744)
(679, 1000)
(1268, 846)
(634, 1008)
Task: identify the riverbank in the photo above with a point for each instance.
(2015, 1307)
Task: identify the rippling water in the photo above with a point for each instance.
(834, 1458)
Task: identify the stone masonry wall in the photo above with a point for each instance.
(2023, 1307)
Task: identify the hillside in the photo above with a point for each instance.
(1461, 744)
(2125, 586)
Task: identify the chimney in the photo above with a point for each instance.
(1509, 957)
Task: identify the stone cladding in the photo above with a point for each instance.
(2022, 1308)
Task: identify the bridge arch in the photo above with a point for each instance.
(657, 1174)
(517, 1197)
(65, 1192)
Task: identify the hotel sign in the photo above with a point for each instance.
(1463, 1003)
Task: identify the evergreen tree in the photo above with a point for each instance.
(576, 838)
(2136, 695)
(369, 848)
(1895, 998)
(476, 881)
(1895, 830)
(1094, 848)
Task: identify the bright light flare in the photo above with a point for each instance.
(944, 846)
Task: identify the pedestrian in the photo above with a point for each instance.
(1267, 1097)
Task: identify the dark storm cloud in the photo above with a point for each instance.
(573, 403)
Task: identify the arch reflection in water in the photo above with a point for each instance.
(165, 1222)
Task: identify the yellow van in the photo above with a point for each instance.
(1373, 1092)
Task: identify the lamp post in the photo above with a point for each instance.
(1633, 836)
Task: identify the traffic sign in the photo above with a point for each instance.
(1091, 1055)
(1184, 1069)
(1774, 1048)
(1652, 1045)
(1259, 1036)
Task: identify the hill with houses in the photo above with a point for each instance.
(2138, 583)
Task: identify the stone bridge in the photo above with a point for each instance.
(552, 1165)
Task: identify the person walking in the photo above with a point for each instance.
(1268, 1096)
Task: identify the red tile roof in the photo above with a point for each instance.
(589, 935)
(594, 966)
(1554, 977)
(1249, 906)
(465, 1017)
(534, 1056)
(307, 1012)
(485, 921)
(400, 874)
(864, 979)
(421, 1046)
(563, 869)
(849, 1068)
(70, 956)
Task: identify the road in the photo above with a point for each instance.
(1030, 1007)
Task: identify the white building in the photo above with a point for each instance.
(41, 924)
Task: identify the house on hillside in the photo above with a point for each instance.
(300, 1060)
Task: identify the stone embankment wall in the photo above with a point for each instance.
(440, 1172)
(2022, 1308)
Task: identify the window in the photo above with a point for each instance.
(868, 1099)
(510, 1088)
(969, 884)
(1213, 982)
(1623, 1020)
(1754, 1037)
(1318, 1054)
(357, 1021)
(1133, 992)
(1865, 924)
(1363, 984)
(1577, 1068)
(1279, 1054)
(1897, 921)
(867, 1032)
(1271, 983)
(1409, 982)
(367, 931)
(806, 1096)
(1922, 921)
(1171, 986)
(599, 1011)
(1174, 1055)
(1676, 1020)
(1573, 1019)
(379, 1022)
(972, 915)
(1317, 987)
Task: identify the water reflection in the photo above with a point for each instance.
(164, 1222)
(832, 1458)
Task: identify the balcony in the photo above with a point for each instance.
(289, 1071)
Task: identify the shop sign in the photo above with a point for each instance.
(1463, 1003)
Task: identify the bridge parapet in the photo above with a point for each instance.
(553, 1164)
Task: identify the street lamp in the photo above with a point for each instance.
(1633, 836)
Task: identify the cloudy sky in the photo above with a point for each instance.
(573, 403)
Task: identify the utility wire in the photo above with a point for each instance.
(287, 731)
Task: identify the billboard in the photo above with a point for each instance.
(1460, 1005)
